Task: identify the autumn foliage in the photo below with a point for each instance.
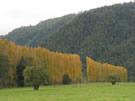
(58, 63)
(97, 72)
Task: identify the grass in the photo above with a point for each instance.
(85, 92)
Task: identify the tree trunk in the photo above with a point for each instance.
(113, 82)
(36, 87)
(0, 85)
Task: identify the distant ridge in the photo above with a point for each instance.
(33, 35)
(105, 34)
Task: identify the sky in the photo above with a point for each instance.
(17, 13)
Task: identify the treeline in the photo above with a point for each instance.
(58, 64)
(97, 72)
(17, 58)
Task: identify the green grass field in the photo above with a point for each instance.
(85, 92)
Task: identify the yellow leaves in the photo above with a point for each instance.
(61, 64)
(99, 72)
(58, 63)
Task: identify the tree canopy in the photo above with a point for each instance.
(35, 76)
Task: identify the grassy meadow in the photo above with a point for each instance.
(75, 92)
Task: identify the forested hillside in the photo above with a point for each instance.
(105, 34)
(33, 35)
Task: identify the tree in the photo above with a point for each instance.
(66, 79)
(35, 76)
(19, 72)
(98, 72)
(23, 63)
(113, 78)
(4, 67)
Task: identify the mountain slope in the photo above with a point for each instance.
(33, 35)
(105, 34)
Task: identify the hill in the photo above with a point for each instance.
(33, 35)
(105, 34)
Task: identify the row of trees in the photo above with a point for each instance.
(15, 59)
(97, 72)
(57, 64)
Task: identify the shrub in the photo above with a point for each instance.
(113, 78)
(66, 79)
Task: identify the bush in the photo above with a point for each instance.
(35, 76)
(66, 79)
(113, 78)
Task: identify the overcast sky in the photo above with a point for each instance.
(17, 13)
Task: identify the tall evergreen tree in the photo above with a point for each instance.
(19, 72)
(4, 67)
(23, 63)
